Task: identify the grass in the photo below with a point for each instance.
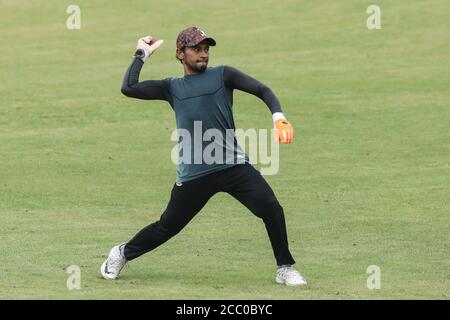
(366, 181)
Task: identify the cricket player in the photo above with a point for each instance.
(205, 96)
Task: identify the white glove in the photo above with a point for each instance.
(149, 45)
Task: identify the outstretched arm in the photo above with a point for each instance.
(149, 89)
(236, 79)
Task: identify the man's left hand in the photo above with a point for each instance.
(283, 132)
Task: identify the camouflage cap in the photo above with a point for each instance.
(192, 36)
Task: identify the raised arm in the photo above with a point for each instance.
(149, 89)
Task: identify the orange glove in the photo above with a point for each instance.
(283, 132)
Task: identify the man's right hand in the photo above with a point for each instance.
(149, 45)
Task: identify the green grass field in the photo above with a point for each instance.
(366, 182)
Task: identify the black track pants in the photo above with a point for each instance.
(241, 181)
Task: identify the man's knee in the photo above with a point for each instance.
(269, 208)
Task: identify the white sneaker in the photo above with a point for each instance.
(289, 276)
(110, 269)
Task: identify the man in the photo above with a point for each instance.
(205, 96)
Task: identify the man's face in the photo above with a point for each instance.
(196, 58)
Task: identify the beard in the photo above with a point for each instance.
(197, 68)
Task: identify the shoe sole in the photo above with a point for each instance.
(289, 285)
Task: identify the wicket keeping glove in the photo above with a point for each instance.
(149, 45)
(283, 131)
